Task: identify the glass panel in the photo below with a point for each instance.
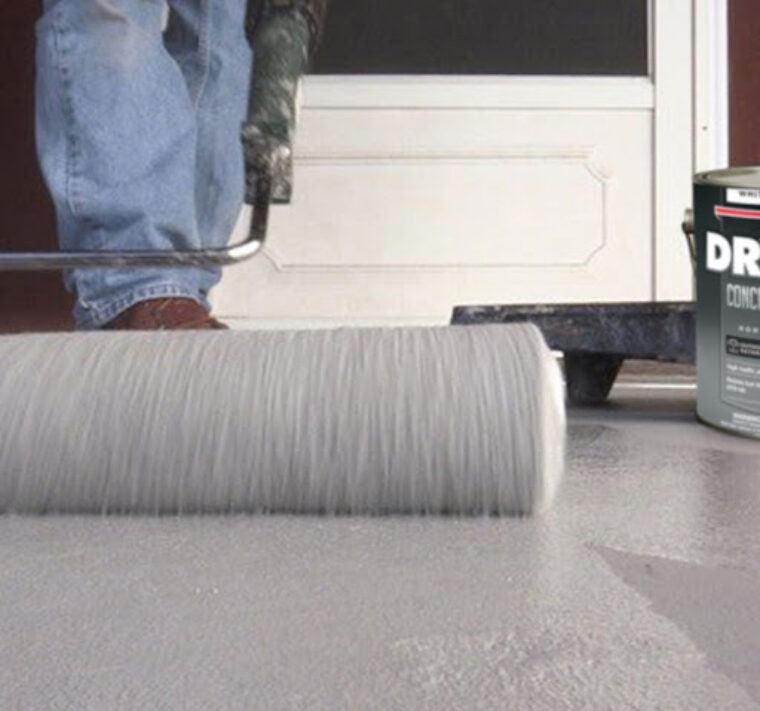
(592, 37)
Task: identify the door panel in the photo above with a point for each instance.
(404, 214)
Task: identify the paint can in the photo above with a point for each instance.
(727, 241)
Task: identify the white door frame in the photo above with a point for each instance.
(690, 78)
(711, 81)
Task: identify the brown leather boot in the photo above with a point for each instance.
(165, 314)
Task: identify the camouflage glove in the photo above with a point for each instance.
(313, 11)
(284, 35)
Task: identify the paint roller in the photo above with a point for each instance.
(443, 420)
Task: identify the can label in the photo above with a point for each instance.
(743, 196)
(727, 232)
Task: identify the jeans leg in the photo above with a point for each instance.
(207, 40)
(116, 138)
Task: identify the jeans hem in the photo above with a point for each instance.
(90, 316)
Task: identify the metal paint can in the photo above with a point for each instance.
(727, 237)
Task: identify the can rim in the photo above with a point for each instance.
(747, 176)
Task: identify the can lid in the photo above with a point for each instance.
(745, 177)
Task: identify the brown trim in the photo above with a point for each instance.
(27, 301)
(744, 81)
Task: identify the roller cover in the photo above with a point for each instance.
(457, 420)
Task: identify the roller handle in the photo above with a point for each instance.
(220, 256)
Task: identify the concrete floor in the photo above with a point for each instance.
(640, 590)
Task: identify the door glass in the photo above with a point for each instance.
(523, 37)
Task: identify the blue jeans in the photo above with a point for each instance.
(138, 138)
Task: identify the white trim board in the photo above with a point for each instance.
(690, 74)
(673, 75)
(479, 92)
(309, 324)
(711, 115)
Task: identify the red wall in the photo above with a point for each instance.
(27, 301)
(744, 81)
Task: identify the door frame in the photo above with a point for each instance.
(689, 71)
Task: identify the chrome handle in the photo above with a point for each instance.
(688, 229)
(218, 256)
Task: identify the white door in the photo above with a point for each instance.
(418, 192)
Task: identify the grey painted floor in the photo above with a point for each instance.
(640, 590)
